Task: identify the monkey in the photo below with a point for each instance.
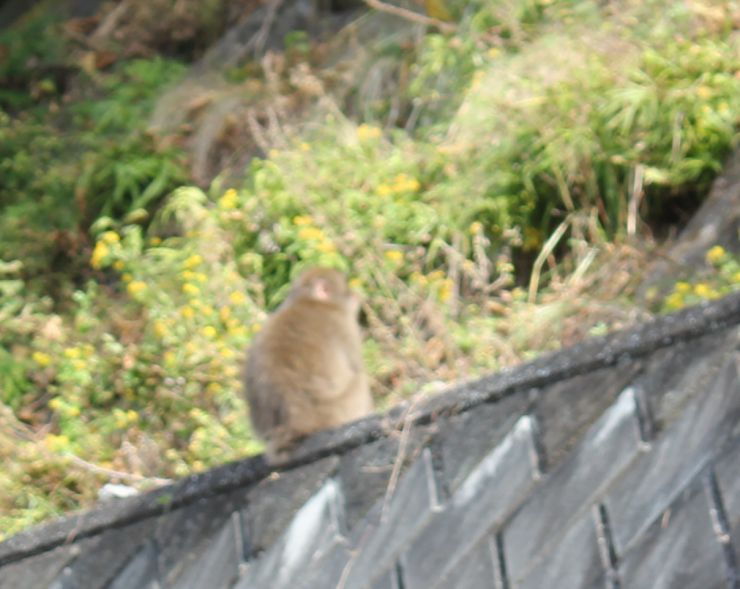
(304, 369)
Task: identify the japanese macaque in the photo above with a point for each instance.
(304, 370)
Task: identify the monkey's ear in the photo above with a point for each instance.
(322, 290)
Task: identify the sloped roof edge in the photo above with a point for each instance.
(582, 358)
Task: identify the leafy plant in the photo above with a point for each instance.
(30, 52)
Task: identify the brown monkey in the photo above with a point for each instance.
(304, 369)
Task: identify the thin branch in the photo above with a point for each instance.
(261, 37)
(353, 557)
(550, 244)
(125, 476)
(408, 422)
(445, 27)
(110, 22)
(635, 197)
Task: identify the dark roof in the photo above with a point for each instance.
(610, 463)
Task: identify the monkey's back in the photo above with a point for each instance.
(305, 372)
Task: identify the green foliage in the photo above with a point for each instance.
(575, 136)
(722, 279)
(30, 51)
(54, 183)
(535, 115)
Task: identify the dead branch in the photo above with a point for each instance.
(124, 476)
(445, 27)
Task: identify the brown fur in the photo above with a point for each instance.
(304, 370)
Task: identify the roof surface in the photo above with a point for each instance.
(613, 463)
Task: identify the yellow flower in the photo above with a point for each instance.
(304, 220)
(202, 278)
(187, 312)
(195, 303)
(190, 289)
(72, 353)
(365, 132)
(126, 277)
(476, 227)
(206, 310)
(133, 417)
(192, 261)
(682, 287)
(224, 313)
(73, 412)
(714, 254)
(273, 153)
(79, 365)
(305, 147)
(237, 297)
(702, 290)
(214, 388)
(384, 190)
(326, 246)
(410, 185)
(41, 359)
(228, 200)
(209, 331)
(394, 255)
(419, 278)
(118, 265)
(227, 353)
(160, 329)
(136, 288)
(446, 291)
(704, 92)
(674, 301)
(170, 358)
(56, 404)
(155, 241)
(111, 237)
(99, 253)
(309, 233)
(56, 443)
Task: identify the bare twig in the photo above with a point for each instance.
(258, 132)
(563, 188)
(676, 144)
(445, 27)
(261, 37)
(257, 41)
(408, 422)
(105, 28)
(125, 476)
(550, 244)
(353, 557)
(635, 197)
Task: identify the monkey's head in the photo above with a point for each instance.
(326, 285)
